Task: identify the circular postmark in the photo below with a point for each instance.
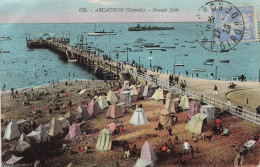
(220, 26)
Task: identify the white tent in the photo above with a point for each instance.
(44, 130)
(184, 104)
(36, 136)
(102, 102)
(148, 156)
(148, 91)
(111, 97)
(63, 122)
(139, 117)
(125, 97)
(55, 128)
(11, 131)
(158, 94)
(209, 110)
(133, 91)
(24, 138)
(126, 85)
(13, 160)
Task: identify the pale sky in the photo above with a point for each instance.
(67, 11)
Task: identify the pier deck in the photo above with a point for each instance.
(107, 69)
(111, 70)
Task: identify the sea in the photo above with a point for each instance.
(22, 68)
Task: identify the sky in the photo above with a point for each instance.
(68, 11)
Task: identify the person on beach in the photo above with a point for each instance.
(215, 90)
(192, 152)
(186, 147)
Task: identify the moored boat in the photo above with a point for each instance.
(199, 69)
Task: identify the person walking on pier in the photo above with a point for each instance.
(215, 90)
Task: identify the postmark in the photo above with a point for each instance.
(221, 26)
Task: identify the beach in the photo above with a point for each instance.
(223, 155)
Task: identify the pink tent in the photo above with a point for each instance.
(93, 108)
(148, 156)
(194, 108)
(74, 132)
(114, 111)
(112, 126)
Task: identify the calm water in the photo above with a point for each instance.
(16, 73)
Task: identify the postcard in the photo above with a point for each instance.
(112, 83)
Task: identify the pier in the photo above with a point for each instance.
(113, 70)
(104, 69)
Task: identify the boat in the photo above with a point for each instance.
(208, 63)
(151, 45)
(148, 28)
(224, 61)
(155, 48)
(5, 38)
(186, 55)
(209, 60)
(4, 51)
(178, 64)
(101, 33)
(169, 47)
(224, 51)
(193, 47)
(162, 34)
(118, 47)
(183, 46)
(199, 69)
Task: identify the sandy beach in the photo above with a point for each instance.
(221, 155)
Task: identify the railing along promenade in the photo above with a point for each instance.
(241, 113)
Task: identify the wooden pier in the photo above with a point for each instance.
(104, 69)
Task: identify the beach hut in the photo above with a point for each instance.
(35, 136)
(93, 108)
(23, 143)
(148, 156)
(22, 146)
(194, 108)
(55, 127)
(126, 85)
(209, 110)
(102, 102)
(11, 131)
(104, 142)
(13, 160)
(44, 130)
(133, 91)
(184, 104)
(24, 138)
(74, 132)
(125, 97)
(112, 126)
(111, 97)
(140, 89)
(158, 94)
(170, 104)
(139, 117)
(165, 118)
(114, 111)
(196, 122)
(63, 122)
(148, 91)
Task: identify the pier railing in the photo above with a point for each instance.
(241, 113)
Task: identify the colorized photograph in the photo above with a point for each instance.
(134, 83)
